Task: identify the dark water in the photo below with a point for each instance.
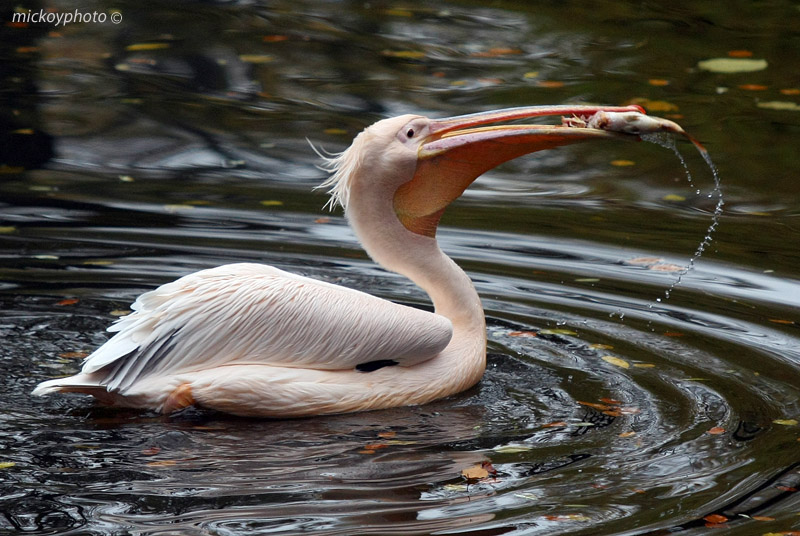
(178, 142)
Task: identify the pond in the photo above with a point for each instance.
(176, 138)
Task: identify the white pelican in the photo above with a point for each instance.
(252, 340)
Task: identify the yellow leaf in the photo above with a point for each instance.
(733, 65)
(623, 163)
(7, 229)
(557, 332)
(271, 203)
(786, 422)
(120, 312)
(780, 105)
(406, 54)
(531, 74)
(616, 361)
(601, 346)
(335, 131)
(627, 434)
(146, 46)
(6, 465)
(673, 197)
(655, 105)
(644, 365)
(255, 58)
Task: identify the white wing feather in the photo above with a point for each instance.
(253, 313)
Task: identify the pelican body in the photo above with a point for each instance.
(249, 339)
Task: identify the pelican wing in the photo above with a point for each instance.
(252, 313)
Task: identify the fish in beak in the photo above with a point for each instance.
(459, 149)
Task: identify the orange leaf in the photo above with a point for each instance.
(762, 518)
(550, 84)
(717, 430)
(163, 463)
(601, 407)
(716, 518)
(366, 451)
(790, 91)
(554, 424)
(740, 54)
(375, 446)
(476, 472)
(69, 301)
(627, 434)
(610, 401)
(786, 488)
(658, 82)
(781, 321)
(323, 219)
(495, 52)
(274, 38)
(522, 334)
(152, 451)
(753, 87)
(387, 435)
(73, 355)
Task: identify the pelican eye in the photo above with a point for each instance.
(410, 133)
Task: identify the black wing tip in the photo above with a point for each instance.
(372, 366)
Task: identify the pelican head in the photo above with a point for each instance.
(424, 164)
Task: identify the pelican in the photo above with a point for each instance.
(252, 340)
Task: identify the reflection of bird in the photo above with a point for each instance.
(250, 339)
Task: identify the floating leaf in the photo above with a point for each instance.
(753, 87)
(335, 131)
(6, 465)
(654, 105)
(786, 422)
(323, 219)
(673, 197)
(550, 84)
(256, 58)
(7, 229)
(146, 46)
(530, 74)
(567, 517)
(616, 361)
(511, 449)
(611, 401)
(644, 260)
(780, 105)
(178, 208)
(598, 346)
(405, 54)
(387, 435)
(274, 38)
(732, 65)
(496, 51)
(271, 203)
(151, 451)
(376, 446)
(716, 518)
(717, 430)
(120, 312)
(782, 321)
(658, 82)
(68, 301)
(762, 518)
(73, 355)
(644, 365)
(627, 434)
(476, 472)
(522, 334)
(163, 463)
(623, 163)
(555, 424)
(557, 331)
(601, 407)
(790, 91)
(740, 54)
(587, 280)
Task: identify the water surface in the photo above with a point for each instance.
(177, 140)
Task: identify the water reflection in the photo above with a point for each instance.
(179, 140)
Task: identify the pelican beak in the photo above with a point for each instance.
(460, 149)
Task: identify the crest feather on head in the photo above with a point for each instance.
(342, 167)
